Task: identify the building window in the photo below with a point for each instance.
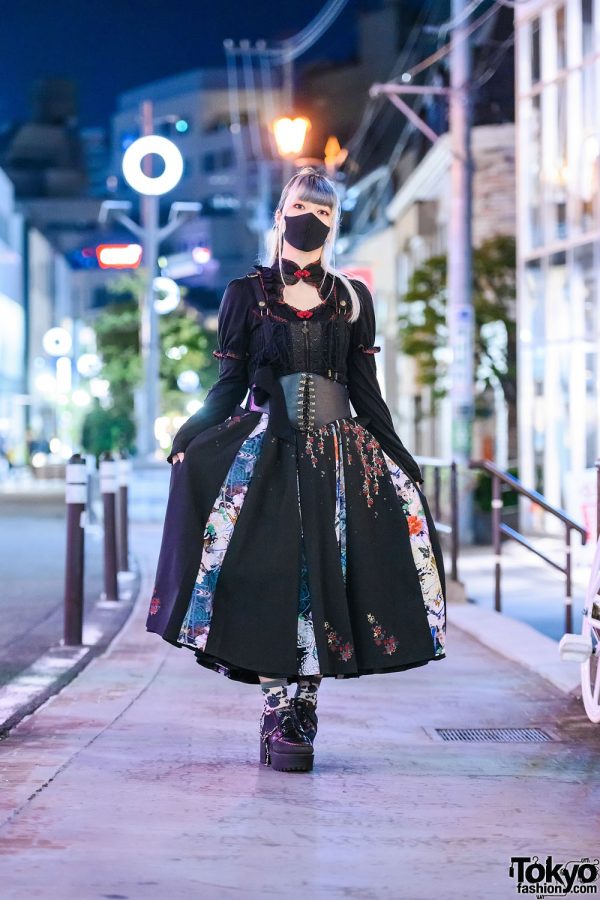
(216, 160)
(531, 142)
(208, 162)
(227, 158)
(173, 126)
(127, 138)
(561, 169)
(587, 27)
(561, 39)
(535, 51)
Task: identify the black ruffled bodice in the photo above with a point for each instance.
(261, 336)
(292, 340)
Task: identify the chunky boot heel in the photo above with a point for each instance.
(307, 716)
(264, 756)
(283, 743)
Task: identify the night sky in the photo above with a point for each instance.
(108, 46)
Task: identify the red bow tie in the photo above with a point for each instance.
(292, 273)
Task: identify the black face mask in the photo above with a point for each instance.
(305, 232)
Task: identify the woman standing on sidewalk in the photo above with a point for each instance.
(297, 543)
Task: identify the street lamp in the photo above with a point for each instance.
(150, 235)
(290, 137)
(290, 134)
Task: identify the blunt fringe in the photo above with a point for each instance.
(313, 187)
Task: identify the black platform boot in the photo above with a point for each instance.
(307, 716)
(283, 743)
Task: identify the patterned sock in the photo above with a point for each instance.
(275, 693)
(307, 688)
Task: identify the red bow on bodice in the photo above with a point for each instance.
(292, 273)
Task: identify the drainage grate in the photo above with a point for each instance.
(494, 735)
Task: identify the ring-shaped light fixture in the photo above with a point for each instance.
(57, 342)
(132, 165)
(170, 294)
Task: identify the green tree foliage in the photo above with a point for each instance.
(107, 430)
(423, 329)
(111, 426)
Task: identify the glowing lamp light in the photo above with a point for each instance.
(45, 383)
(334, 154)
(57, 342)
(201, 255)
(81, 398)
(290, 134)
(169, 292)
(188, 381)
(89, 365)
(119, 256)
(161, 425)
(170, 155)
(176, 352)
(100, 388)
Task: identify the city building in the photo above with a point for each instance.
(398, 196)
(43, 156)
(13, 384)
(558, 176)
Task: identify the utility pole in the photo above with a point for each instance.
(460, 314)
(288, 99)
(139, 174)
(149, 341)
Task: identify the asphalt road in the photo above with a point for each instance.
(32, 561)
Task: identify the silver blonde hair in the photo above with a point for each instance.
(311, 186)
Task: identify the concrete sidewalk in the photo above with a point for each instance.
(141, 780)
(532, 591)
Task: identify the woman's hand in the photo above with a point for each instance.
(178, 458)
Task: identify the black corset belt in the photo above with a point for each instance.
(304, 399)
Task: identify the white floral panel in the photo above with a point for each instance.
(423, 555)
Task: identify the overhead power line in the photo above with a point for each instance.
(301, 42)
(447, 48)
(374, 111)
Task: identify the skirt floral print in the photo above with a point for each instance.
(355, 506)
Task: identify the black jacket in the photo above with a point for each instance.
(258, 329)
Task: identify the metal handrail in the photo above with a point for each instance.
(502, 478)
(518, 486)
(437, 464)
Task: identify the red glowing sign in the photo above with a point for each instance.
(364, 273)
(119, 256)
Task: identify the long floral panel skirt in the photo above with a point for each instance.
(314, 557)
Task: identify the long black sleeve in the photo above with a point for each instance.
(232, 384)
(364, 389)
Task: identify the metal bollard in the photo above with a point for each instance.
(108, 489)
(124, 470)
(90, 464)
(75, 495)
